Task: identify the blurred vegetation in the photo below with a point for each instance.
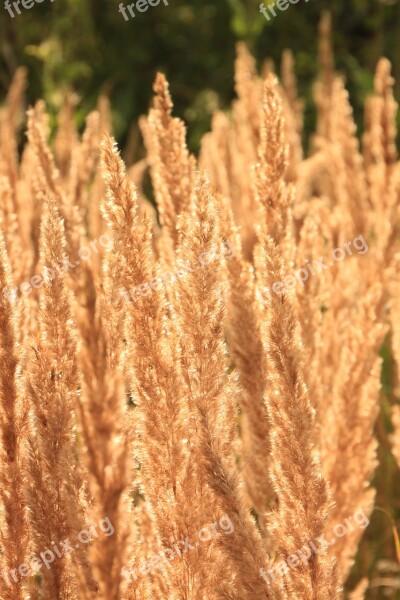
(88, 46)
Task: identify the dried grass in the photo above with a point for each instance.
(164, 407)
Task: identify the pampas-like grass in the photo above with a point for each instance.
(54, 487)
(13, 421)
(187, 381)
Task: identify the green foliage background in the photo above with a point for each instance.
(86, 45)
